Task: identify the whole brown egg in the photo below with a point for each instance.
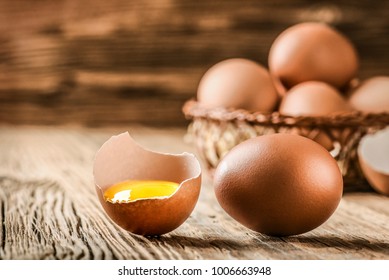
(372, 95)
(238, 83)
(313, 51)
(315, 99)
(279, 184)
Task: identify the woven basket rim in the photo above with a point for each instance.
(193, 109)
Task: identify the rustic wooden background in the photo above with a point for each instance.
(102, 62)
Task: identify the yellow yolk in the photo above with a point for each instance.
(137, 189)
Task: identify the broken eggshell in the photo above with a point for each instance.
(373, 154)
(120, 159)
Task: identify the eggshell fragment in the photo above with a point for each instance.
(279, 184)
(313, 51)
(373, 154)
(121, 159)
(238, 83)
(372, 95)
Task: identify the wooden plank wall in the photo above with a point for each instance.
(97, 62)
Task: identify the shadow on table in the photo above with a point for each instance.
(201, 243)
(351, 243)
(303, 242)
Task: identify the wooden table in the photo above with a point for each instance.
(49, 209)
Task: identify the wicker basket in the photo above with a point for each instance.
(216, 131)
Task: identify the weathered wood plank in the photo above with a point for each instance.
(49, 210)
(62, 58)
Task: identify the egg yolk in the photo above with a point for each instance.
(137, 189)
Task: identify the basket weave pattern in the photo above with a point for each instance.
(216, 131)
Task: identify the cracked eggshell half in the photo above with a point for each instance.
(373, 154)
(120, 159)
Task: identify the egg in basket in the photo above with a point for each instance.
(311, 89)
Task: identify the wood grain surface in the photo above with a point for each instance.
(131, 61)
(49, 209)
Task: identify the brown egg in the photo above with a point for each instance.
(145, 192)
(279, 184)
(373, 154)
(314, 99)
(313, 51)
(372, 95)
(238, 83)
